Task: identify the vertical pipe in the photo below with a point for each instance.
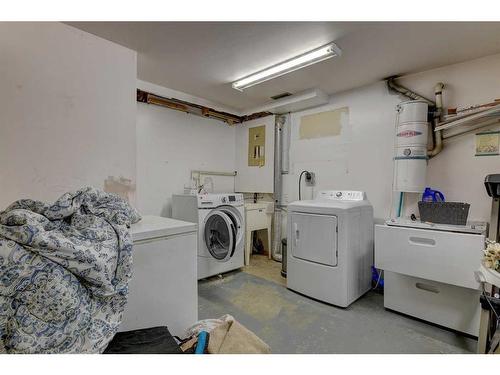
(438, 114)
(278, 145)
(285, 144)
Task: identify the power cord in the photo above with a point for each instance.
(308, 176)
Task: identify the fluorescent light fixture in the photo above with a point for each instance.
(312, 57)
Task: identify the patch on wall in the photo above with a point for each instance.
(323, 124)
(488, 143)
(120, 186)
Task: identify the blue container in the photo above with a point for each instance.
(432, 195)
(377, 279)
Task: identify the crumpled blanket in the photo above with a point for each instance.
(228, 336)
(64, 272)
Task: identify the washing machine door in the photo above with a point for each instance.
(220, 235)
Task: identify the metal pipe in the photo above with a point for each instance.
(278, 158)
(278, 146)
(208, 173)
(393, 86)
(214, 173)
(438, 114)
(285, 144)
(455, 133)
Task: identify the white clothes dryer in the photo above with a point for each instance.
(330, 246)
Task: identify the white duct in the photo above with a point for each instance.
(294, 103)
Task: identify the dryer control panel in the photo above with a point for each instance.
(342, 195)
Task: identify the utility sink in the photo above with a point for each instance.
(267, 207)
(257, 216)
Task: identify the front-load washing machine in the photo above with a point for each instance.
(330, 246)
(221, 229)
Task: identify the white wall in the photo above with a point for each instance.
(456, 171)
(251, 179)
(358, 159)
(67, 110)
(361, 156)
(170, 144)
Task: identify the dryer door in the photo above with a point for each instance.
(314, 238)
(220, 235)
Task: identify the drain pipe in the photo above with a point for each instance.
(438, 115)
(279, 123)
(393, 86)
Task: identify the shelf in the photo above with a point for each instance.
(474, 120)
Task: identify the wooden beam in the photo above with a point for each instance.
(196, 109)
(153, 99)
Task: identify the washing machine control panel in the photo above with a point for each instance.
(215, 200)
(342, 195)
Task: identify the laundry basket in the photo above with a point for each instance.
(454, 213)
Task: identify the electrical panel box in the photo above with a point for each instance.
(256, 146)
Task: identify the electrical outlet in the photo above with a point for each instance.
(310, 179)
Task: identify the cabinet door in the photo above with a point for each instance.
(314, 238)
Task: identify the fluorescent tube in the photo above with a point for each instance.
(312, 57)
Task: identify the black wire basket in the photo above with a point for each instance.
(454, 213)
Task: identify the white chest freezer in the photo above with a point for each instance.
(163, 290)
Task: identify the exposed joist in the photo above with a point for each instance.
(167, 103)
(196, 109)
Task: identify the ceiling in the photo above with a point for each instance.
(203, 58)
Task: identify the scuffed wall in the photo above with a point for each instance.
(67, 111)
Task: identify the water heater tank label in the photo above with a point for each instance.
(409, 133)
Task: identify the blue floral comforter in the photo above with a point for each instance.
(64, 272)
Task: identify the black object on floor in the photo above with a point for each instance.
(283, 257)
(156, 340)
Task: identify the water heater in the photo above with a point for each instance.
(410, 154)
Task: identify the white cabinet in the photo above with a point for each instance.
(163, 290)
(429, 274)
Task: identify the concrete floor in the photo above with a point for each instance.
(292, 323)
(261, 266)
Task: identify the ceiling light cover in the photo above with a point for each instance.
(312, 57)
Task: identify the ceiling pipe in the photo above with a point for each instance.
(393, 86)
